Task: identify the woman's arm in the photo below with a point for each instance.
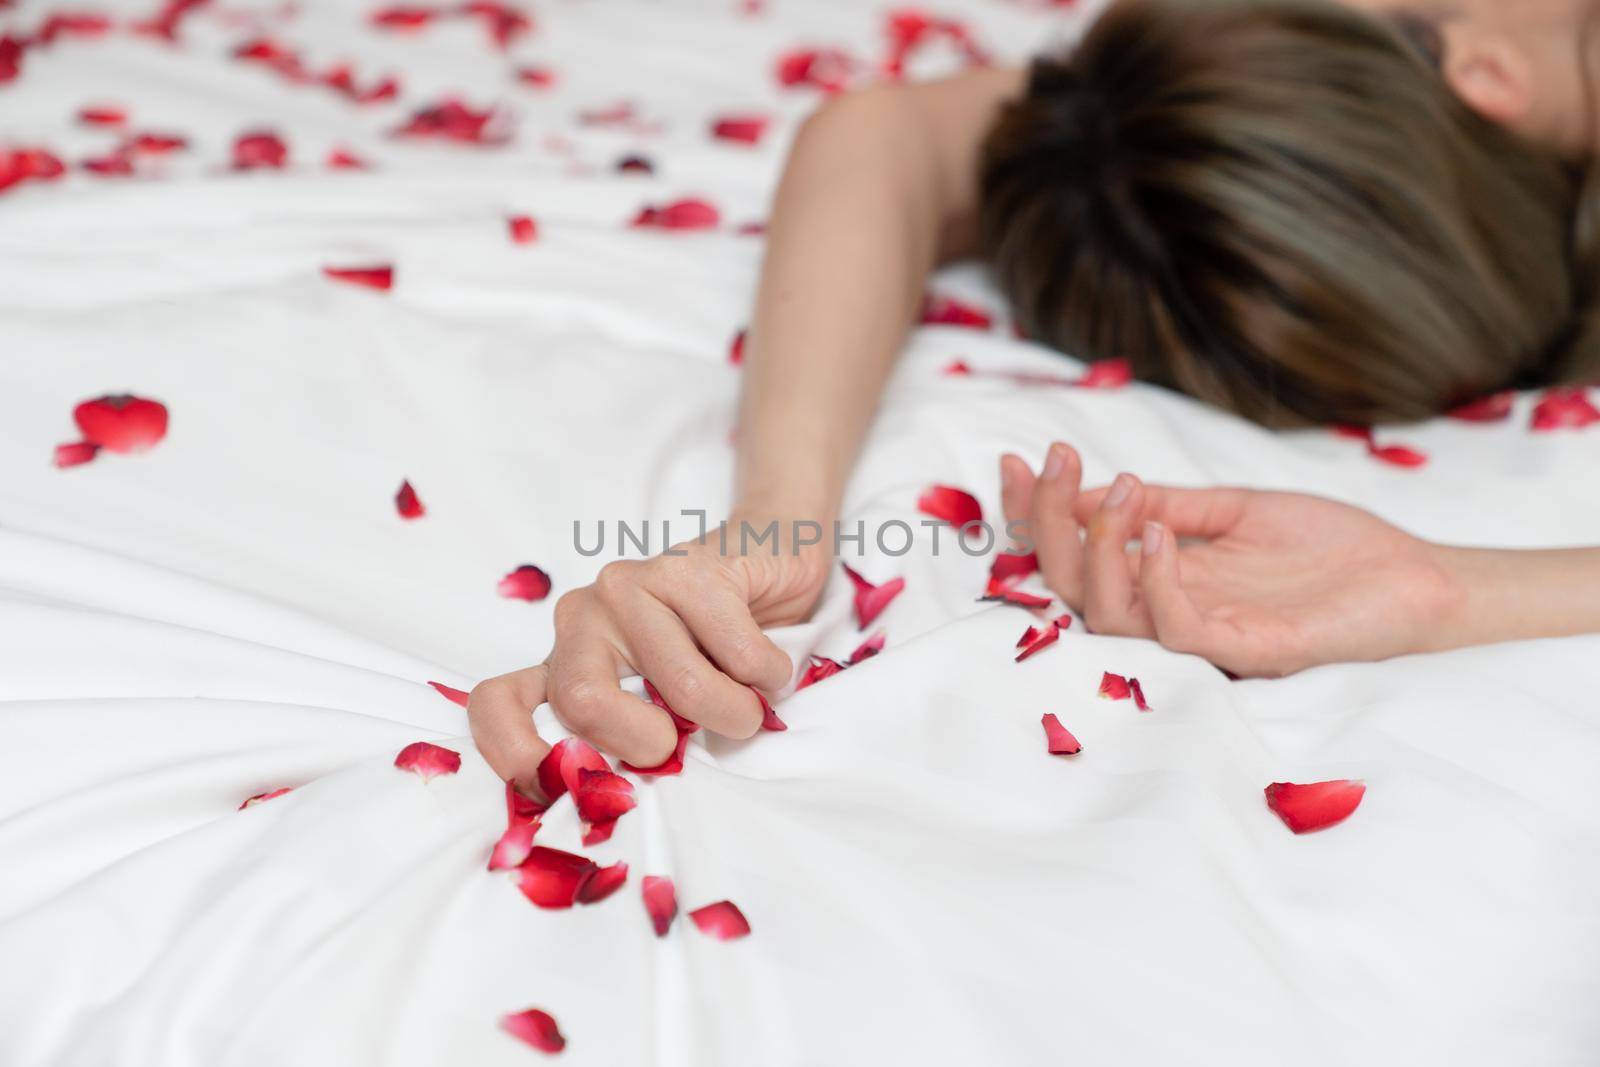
(1511, 595)
(880, 186)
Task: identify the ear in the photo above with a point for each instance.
(1492, 75)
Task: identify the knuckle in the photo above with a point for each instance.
(581, 702)
(614, 577)
(570, 608)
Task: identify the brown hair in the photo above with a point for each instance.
(1278, 206)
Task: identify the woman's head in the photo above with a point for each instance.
(1281, 207)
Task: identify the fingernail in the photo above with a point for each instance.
(1121, 489)
(1055, 462)
(1151, 541)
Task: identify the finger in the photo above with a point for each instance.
(1054, 531)
(719, 621)
(587, 698)
(1178, 623)
(1203, 513)
(1016, 489)
(659, 645)
(1110, 595)
(500, 711)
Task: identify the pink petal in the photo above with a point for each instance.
(660, 902)
(1564, 409)
(75, 454)
(427, 760)
(122, 423)
(262, 798)
(872, 599)
(1305, 808)
(956, 506)
(959, 368)
(819, 668)
(537, 77)
(455, 696)
(1058, 739)
(687, 214)
(743, 129)
(407, 504)
(1106, 374)
(1114, 687)
(736, 349)
(156, 144)
(769, 718)
(380, 278)
(606, 880)
(602, 796)
(1036, 640)
(867, 649)
(1496, 407)
(948, 311)
(527, 582)
(524, 230)
(578, 756)
(514, 845)
(259, 149)
(551, 878)
(344, 159)
(536, 1028)
(722, 920)
(828, 69)
(1138, 694)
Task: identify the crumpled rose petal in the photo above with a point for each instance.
(673, 764)
(769, 718)
(1394, 455)
(407, 504)
(867, 649)
(1009, 568)
(524, 230)
(427, 760)
(453, 695)
(948, 311)
(872, 599)
(1018, 598)
(122, 423)
(380, 278)
(551, 878)
(828, 69)
(1138, 694)
(687, 214)
(75, 454)
(741, 129)
(259, 149)
(1305, 808)
(1058, 739)
(722, 920)
(527, 582)
(956, 506)
(1564, 409)
(1496, 407)
(660, 902)
(1114, 687)
(1036, 639)
(679, 723)
(596, 832)
(602, 796)
(262, 798)
(606, 880)
(452, 120)
(577, 756)
(819, 668)
(514, 845)
(551, 783)
(1106, 374)
(536, 1028)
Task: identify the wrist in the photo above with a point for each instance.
(1519, 594)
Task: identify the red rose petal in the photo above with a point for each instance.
(537, 77)
(673, 764)
(401, 17)
(689, 214)
(872, 599)
(1018, 598)
(1063, 621)
(123, 423)
(527, 582)
(1398, 455)
(156, 144)
(1138, 694)
(635, 164)
(407, 504)
(1114, 687)
(1058, 739)
(736, 350)
(602, 796)
(867, 649)
(1011, 567)
(344, 159)
(452, 120)
(819, 668)
(116, 165)
(428, 761)
(660, 902)
(524, 230)
(75, 453)
(742, 129)
(606, 880)
(769, 718)
(1305, 808)
(380, 278)
(1564, 409)
(948, 311)
(455, 696)
(828, 69)
(578, 756)
(1106, 374)
(262, 798)
(11, 52)
(536, 1028)
(722, 920)
(598, 832)
(1496, 407)
(959, 368)
(259, 149)
(551, 783)
(514, 845)
(1035, 640)
(102, 116)
(956, 506)
(551, 878)
(679, 723)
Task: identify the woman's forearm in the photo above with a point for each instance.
(1518, 595)
(880, 186)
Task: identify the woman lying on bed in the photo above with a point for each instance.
(1301, 212)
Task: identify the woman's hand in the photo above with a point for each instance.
(689, 622)
(1259, 583)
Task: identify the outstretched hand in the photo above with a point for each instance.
(1259, 583)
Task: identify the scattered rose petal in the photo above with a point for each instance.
(867, 649)
(1106, 374)
(262, 798)
(102, 116)
(660, 902)
(689, 214)
(380, 278)
(1304, 808)
(1394, 455)
(958, 368)
(401, 17)
(596, 832)
(156, 144)
(259, 149)
(551, 782)
(742, 129)
(736, 350)
(407, 504)
(948, 311)
(527, 582)
(427, 760)
(871, 599)
(1564, 409)
(452, 120)
(956, 506)
(1063, 621)
(344, 159)
(515, 844)
(1058, 739)
(606, 880)
(1114, 687)
(536, 77)
(1017, 598)
(578, 756)
(682, 725)
(635, 164)
(819, 668)
(122, 423)
(524, 230)
(75, 453)
(602, 796)
(1009, 568)
(455, 696)
(536, 1028)
(769, 718)
(828, 69)
(673, 764)
(1138, 694)
(1036, 639)
(1496, 407)
(722, 920)
(551, 878)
